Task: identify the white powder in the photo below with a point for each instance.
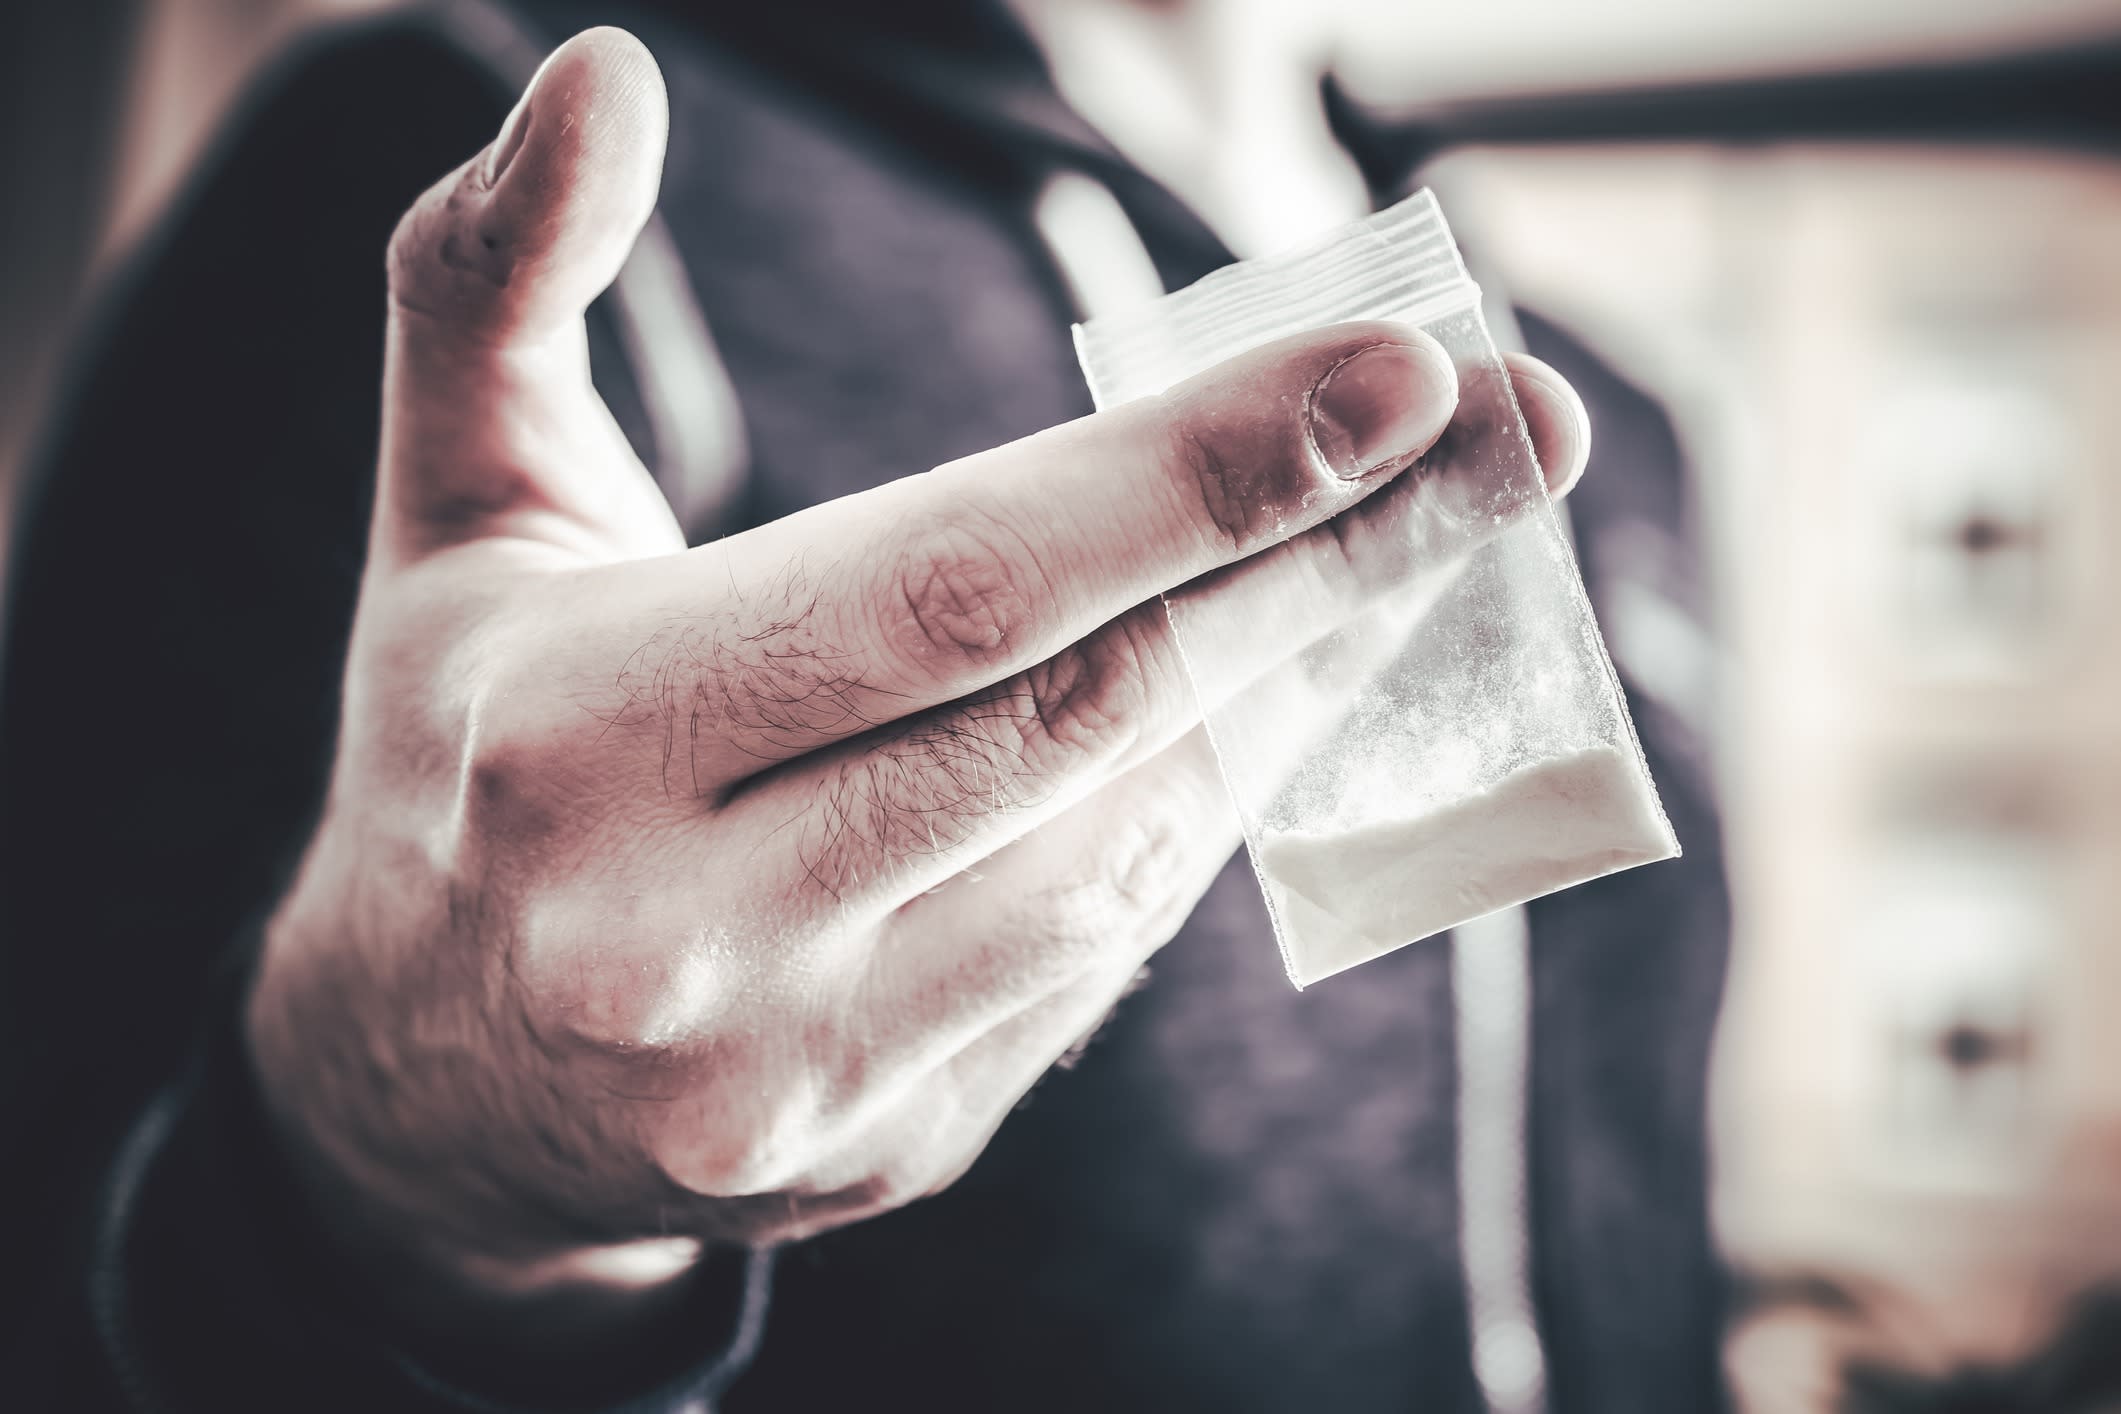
(1348, 895)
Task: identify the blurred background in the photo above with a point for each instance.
(1869, 257)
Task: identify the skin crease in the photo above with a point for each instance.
(670, 896)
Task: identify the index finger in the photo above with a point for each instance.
(868, 609)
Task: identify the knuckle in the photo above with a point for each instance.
(749, 1128)
(1086, 701)
(442, 261)
(602, 973)
(1224, 490)
(1005, 744)
(965, 593)
(1006, 748)
(1134, 885)
(1127, 898)
(1142, 869)
(526, 787)
(622, 1015)
(593, 1000)
(505, 802)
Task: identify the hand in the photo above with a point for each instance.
(667, 896)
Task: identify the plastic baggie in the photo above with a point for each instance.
(1445, 735)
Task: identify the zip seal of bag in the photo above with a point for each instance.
(1446, 736)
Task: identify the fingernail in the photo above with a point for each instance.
(1558, 410)
(1382, 405)
(510, 142)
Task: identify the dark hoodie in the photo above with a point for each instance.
(1241, 1198)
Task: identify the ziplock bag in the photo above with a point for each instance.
(1446, 736)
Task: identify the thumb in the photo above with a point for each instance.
(488, 408)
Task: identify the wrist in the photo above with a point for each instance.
(421, 1239)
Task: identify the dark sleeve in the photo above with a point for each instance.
(182, 584)
(206, 1288)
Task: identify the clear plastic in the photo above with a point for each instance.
(1446, 736)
